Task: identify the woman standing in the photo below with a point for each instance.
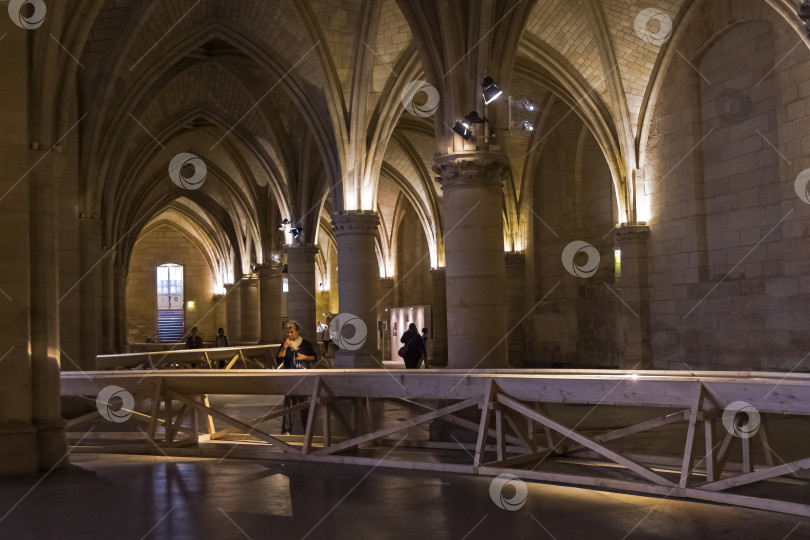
(414, 347)
(295, 353)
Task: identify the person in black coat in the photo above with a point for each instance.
(295, 353)
(414, 346)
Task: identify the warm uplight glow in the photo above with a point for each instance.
(191, 304)
(617, 256)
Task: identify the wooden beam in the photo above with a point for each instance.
(483, 428)
(688, 452)
(262, 419)
(156, 397)
(637, 468)
(382, 432)
(451, 419)
(273, 441)
(313, 403)
(758, 476)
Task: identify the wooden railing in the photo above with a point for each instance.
(517, 417)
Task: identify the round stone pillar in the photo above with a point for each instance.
(438, 337)
(474, 253)
(270, 285)
(386, 302)
(359, 277)
(233, 313)
(249, 291)
(44, 311)
(90, 231)
(301, 291)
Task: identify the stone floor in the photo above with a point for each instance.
(137, 497)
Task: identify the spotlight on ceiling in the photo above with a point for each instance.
(491, 90)
(804, 14)
(528, 105)
(463, 129)
(526, 125)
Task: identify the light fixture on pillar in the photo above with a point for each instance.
(464, 127)
(491, 91)
(296, 232)
(804, 14)
(285, 225)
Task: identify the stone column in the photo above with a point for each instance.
(249, 291)
(108, 305)
(474, 252)
(91, 264)
(233, 310)
(359, 277)
(18, 436)
(301, 292)
(45, 355)
(221, 312)
(632, 286)
(438, 338)
(270, 285)
(386, 302)
(516, 307)
(120, 306)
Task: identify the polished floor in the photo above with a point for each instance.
(140, 497)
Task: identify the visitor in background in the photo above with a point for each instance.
(222, 340)
(414, 347)
(424, 354)
(194, 341)
(326, 337)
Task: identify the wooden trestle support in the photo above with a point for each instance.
(516, 430)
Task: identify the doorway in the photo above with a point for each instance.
(170, 302)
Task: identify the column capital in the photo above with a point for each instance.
(631, 233)
(355, 223)
(269, 269)
(515, 259)
(305, 249)
(487, 168)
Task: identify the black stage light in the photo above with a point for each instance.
(491, 90)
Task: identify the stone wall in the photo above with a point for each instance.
(413, 280)
(574, 325)
(729, 256)
(162, 245)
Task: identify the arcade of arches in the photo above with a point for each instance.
(629, 201)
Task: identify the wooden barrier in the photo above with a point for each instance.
(508, 411)
(251, 356)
